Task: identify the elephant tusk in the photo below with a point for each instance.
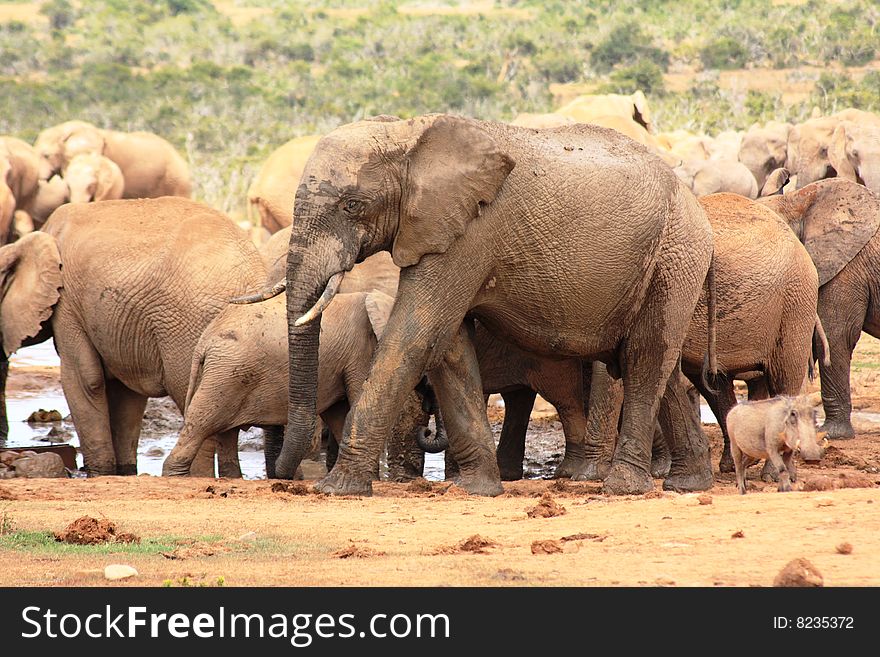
(323, 301)
(263, 295)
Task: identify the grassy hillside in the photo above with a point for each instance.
(228, 81)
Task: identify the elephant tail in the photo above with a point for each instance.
(263, 295)
(819, 335)
(710, 362)
(195, 375)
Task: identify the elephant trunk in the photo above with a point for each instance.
(438, 442)
(314, 263)
(4, 372)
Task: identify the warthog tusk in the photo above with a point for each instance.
(323, 301)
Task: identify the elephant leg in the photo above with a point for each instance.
(334, 417)
(459, 393)
(406, 460)
(451, 471)
(842, 317)
(126, 416)
(691, 468)
(603, 418)
(228, 465)
(758, 389)
(82, 379)
(273, 437)
(511, 449)
(661, 457)
(4, 374)
(204, 462)
(720, 401)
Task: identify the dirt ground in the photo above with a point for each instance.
(245, 533)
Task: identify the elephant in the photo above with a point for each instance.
(854, 153)
(271, 193)
(810, 144)
(767, 287)
(140, 281)
(51, 194)
(516, 227)
(587, 108)
(19, 175)
(93, 177)
(764, 149)
(687, 146)
(725, 145)
(775, 182)
(151, 167)
(635, 131)
(714, 176)
(239, 374)
(837, 221)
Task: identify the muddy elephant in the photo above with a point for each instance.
(19, 181)
(516, 227)
(855, 153)
(270, 196)
(837, 221)
(767, 289)
(126, 289)
(541, 121)
(764, 149)
(93, 177)
(239, 374)
(150, 165)
(810, 145)
(705, 177)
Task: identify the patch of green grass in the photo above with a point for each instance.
(189, 582)
(45, 543)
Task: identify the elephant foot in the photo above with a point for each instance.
(726, 463)
(171, 468)
(99, 470)
(689, 482)
(342, 481)
(838, 429)
(588, 471)
(661, 464)
(509, 473)
(769, 473)
(626, 479)
(127, 470)
(230, 470)
(480, 482)
(569, 467)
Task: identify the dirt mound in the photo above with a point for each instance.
(290, 487)
(420, 485)
(357, 552)
(799, 572)
(584, 537)
(475, 544)
(195, 550)
(6, 495)
(546, 508)
(546, 547)
(842, 480)
(91, 531)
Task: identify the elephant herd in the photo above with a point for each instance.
(78, 162)
(427, 263)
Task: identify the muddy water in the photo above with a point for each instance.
(162, 421)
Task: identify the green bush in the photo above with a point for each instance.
(724, 53)
(644, 75)
(627, 44)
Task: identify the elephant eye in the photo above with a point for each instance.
(352, 205)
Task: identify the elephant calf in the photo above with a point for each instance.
(240, 372)
(772, 429)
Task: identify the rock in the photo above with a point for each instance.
(40, 466)
(248, 537)
(6, 473)
(546, 547)
(738, 534)
(155, 452)
(57, 435)
(704, 499)
(824, 500)
(117, 571)
(43, 416)
(844, 548)
(799, 573)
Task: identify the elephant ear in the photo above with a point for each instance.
(378, 305)
(838, 218)
(641, 114)
(30, 278)
(454, 166)
(837, 152)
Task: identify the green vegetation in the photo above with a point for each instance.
(227, 82)
(45, 543)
